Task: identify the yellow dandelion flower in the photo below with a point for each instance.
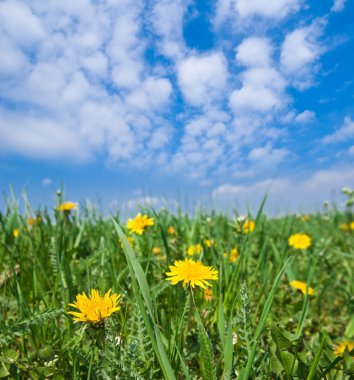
(130, 241)
(233, 255)
(171, 230)
(195, 249)
(161, 258)
(139, 223)
(344, 346)
(15, 232)
(208, 294)
(95, 308)
(352, 226)
(156, 250)
(248, 226)
(305, 218)
(299, 241)
(67, 206)
(210, 242)
(300, 285)
(345, 227)
(32, 221)
(192, 273)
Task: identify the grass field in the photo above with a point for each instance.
(252, 322)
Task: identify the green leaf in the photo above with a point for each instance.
(10, 355)
(349, 331)
(261, 325)
(314, 364)
(282, 342)
(206, 354)
(142, 294)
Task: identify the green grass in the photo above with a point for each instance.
(255, 327)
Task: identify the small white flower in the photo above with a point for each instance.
(118, 340)
(234, 338)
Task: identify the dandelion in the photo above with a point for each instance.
(171, 230)
(156, 250)
(299, 241)
(95, 308)
(66, 206)
(210, 242)
(15, 232)
(300, 285)
(208, 295)
(195, 249)
(233, 255)
(347, 226)
(343, 347)
(191, 273)
(161, 258)
(139, 224)
(248, 226)
(305, 218)
(32, 221)
(130, 241)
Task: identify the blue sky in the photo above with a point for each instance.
(125, 102)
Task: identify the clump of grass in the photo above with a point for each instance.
(252, 325)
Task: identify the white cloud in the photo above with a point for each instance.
(305, 117)
(80, 76)
(338, 5)
(151, 94)
(300, 52)
(167, 20)
(285, 193)
(274, 8)
(261, 91)
(39, 137)
(19, 23)
(47, 182)
(245, 9)
(351, 151)
(267, 156)
(254, 51)
(202, 78)
(344, 133)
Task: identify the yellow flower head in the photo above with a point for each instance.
(15, 232)
(67, 206)
(139, 224)
(300, 285)
(208, 295)
(233, 255)
(191, 273)
(343, 346)
(95, 309)
(32, 221)
(210, 242)
(156, 250)
(248, 226)
(305, 218)
(299, 241)
(347, 226)
(195, 249)
(171, 230)
(130, 241)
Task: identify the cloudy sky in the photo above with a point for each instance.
(217, 101)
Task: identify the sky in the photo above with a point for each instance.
(210, 102)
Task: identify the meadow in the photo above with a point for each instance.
(175, 296)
